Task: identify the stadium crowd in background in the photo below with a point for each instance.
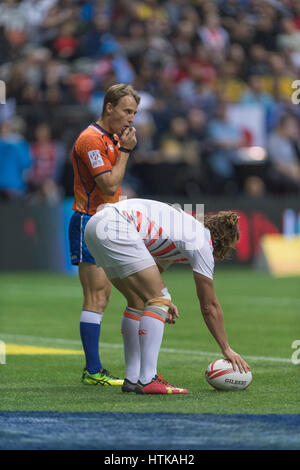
(189, 61)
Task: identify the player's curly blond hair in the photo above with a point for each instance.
(224, 231)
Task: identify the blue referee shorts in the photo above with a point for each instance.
(78, 249)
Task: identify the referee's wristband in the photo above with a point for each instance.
(123, 149)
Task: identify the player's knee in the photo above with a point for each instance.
(163, 301)
(158, 306)
(103, 296)
(97, 298)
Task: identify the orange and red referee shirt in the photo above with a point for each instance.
(94, 153)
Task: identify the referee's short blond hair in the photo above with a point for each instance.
(116, 92)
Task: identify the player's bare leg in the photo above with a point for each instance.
(96, 290)
(148, 286)
(96, 287)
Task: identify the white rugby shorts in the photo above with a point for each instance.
(116, 244)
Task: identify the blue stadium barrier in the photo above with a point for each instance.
(167, 431)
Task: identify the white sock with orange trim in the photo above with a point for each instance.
(130, 331)
(151, 334)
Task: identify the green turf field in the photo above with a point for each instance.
(262, 319)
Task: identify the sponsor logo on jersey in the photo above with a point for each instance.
(95, 158)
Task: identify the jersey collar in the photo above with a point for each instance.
(111, 136)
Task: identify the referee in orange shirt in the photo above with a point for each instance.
(99, 158)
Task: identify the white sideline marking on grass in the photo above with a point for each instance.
(39, 340)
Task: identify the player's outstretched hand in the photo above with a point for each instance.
(236, 359)
(172, 314)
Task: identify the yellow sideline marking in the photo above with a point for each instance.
(21, 349)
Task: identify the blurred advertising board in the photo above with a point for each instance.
(35, 237)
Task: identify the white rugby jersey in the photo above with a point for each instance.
(170, 234)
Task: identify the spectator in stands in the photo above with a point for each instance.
(112, 59)
(65, 44)
(13, 20)
(197, 123)
(184, 54)
(225, 140)
(48, 159)
(176, 146)
(201, 66)
(255, 94)
(265, 31)
(14, 159)
(213, 36)
(229, 86)
(258, 61)
(180, 151)
(289, 36)
(237, 55)
(146, 149)
(202, 95)
(145, 155)
(196, 120)
(284, 156)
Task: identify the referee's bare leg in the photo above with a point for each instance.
(96, 292)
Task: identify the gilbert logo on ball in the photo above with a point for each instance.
(220, 375)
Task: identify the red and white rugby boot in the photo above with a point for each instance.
(158, 386)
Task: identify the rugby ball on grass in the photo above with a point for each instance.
(220, 375)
